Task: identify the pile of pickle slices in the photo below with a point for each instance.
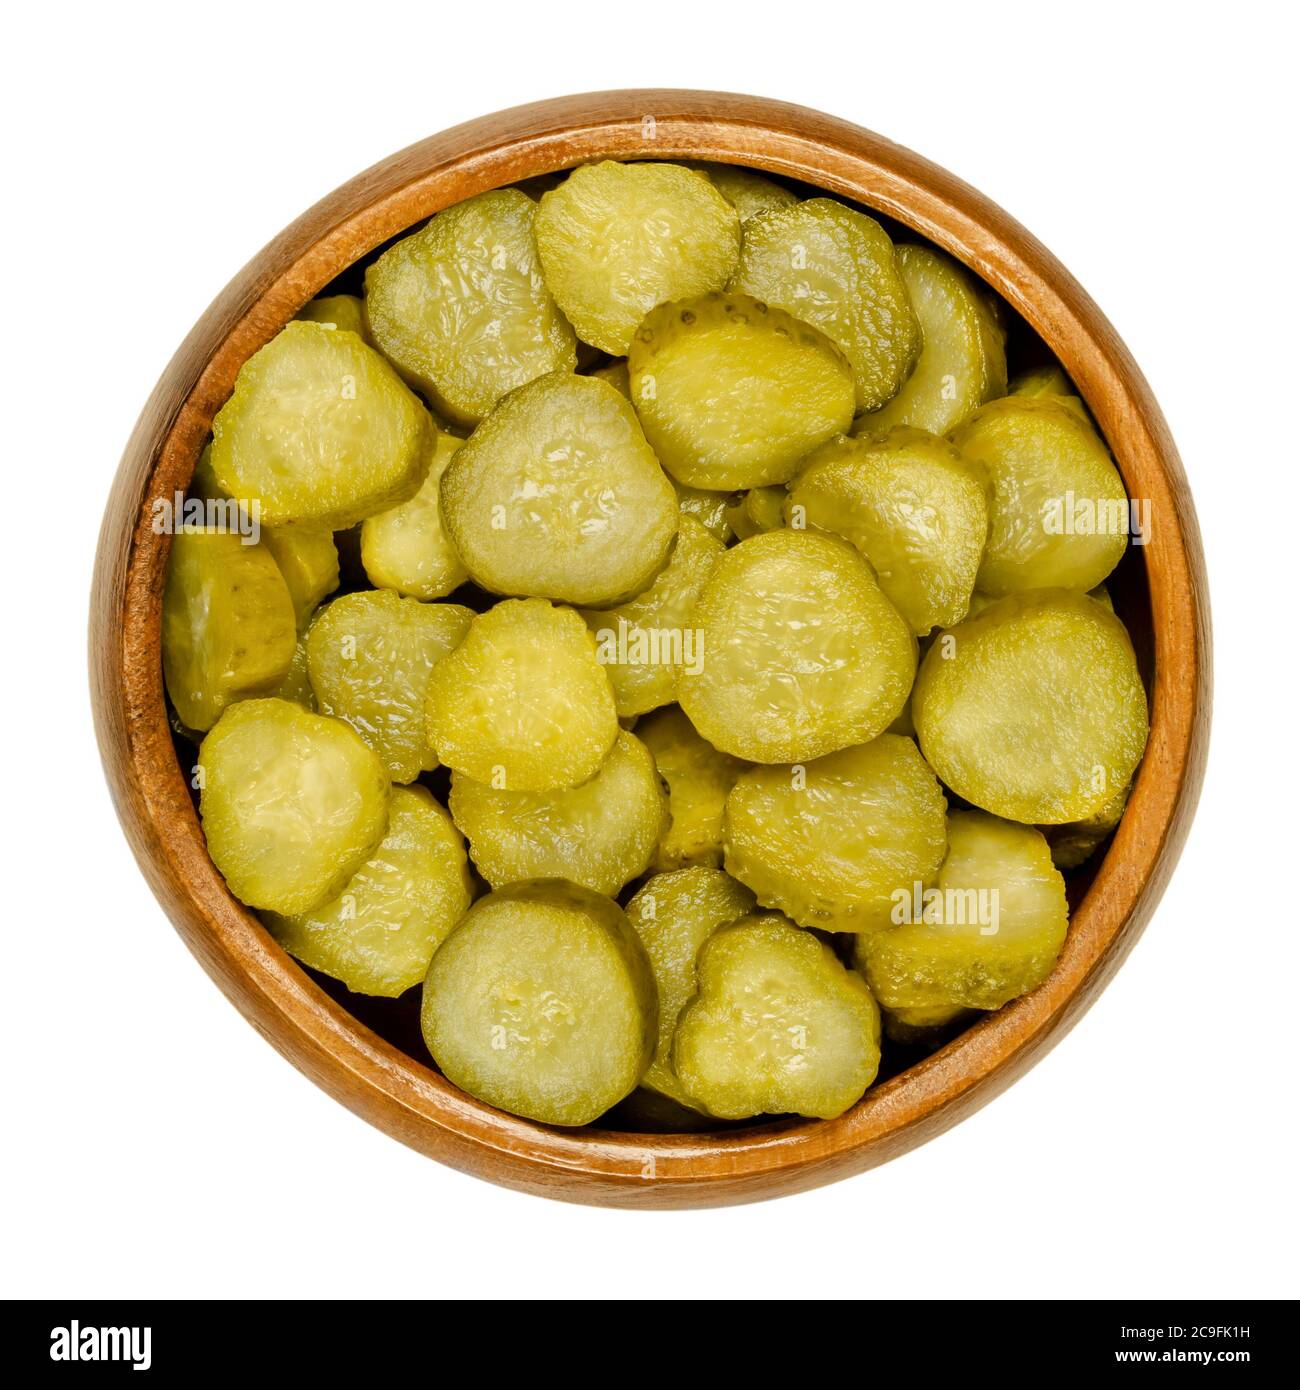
(660, 643)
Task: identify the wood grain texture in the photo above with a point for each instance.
(382, 1084)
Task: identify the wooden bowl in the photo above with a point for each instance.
(1161, 591)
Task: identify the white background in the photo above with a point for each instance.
(154, 1144)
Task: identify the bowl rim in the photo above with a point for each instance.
(375, 1079)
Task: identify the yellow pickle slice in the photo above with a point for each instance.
(292, 803)
(802, 651)
(708, 508)
(617, 239)
(369, 657)
(732, 393)
(523, 704)
(407, 548)
(309, 561)
(1075, 843)
(990, 930)
(344, 311)
(615, 373)
(558, 495)
(749, 193)
(674, 914)
(913, 506)
(758, 510)
(926, 1027)
(296, 685)
(320, 430)
(1050, 382)
(778, 1026)
(1034, 709)
(542, 1003)
(460, 307)
(227, 624)
(836, 842)
(647, 643)
(380, 933)
(834, 267)
(1058, 514)
(963, 360)
(601, 834)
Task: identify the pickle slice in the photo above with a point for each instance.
(963, 360)
(542, 1003)
(407, 547)
(732, 393)
(708, 508)
(320, 429)
(292, 803)
(309, 561)
(1059, 514)
(1050, 383)
(834, 267)
(913, 506)
(698, 778)
(749, 193)
(1034, 709)
(337, 311)
(646, 644)
(227, 624)
(990, 931)
(803, 653)
(778, 1027)
(460, 307)
(379, 935)
(834, 843)
(925, 1027)
(600, 835)
(617, 239)
(1078, 841)
(523, 704)
(674, 914)
(369, 656)
(296, 685)
(615, 373)
(760, 509)
(558, 495)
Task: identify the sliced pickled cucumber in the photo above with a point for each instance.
(337, 311)
(379, 935)
(963, 360)
(708, 508)
(923, 1027)
(760, 509)
(990, 931)
(523, 704)
(407, 548)
(227, 624)
(292, 803)
(778, 1026)
(803, 653)
(558, 495)
(749, 193)
(698, 778)
(320, 429)
(308, 560)
(913, 506)
(542, 1003)
(601, 834)
(834, 843)
(615, 373)
(834, 267)
(732, 393)
(647, 643)
(1058, 514)
(1034, 709)
(617, 239)
(674, 914)
(461, 309)
(296, 685)
(1051, 383)
(1078, 841)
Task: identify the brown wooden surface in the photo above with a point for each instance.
(376, 1080)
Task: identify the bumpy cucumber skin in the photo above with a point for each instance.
(830, 843)
(783, 684)
(834, 267)
(1034, 709)
(599, 835)
(674, 914)
(227, 624)
(732, 393)
(490, 966)
(523, 703)
(320, 430)
(743, 1048)
(594, 528)
(617, 239)
(461, 309)
(379, 935)
(269, 764)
